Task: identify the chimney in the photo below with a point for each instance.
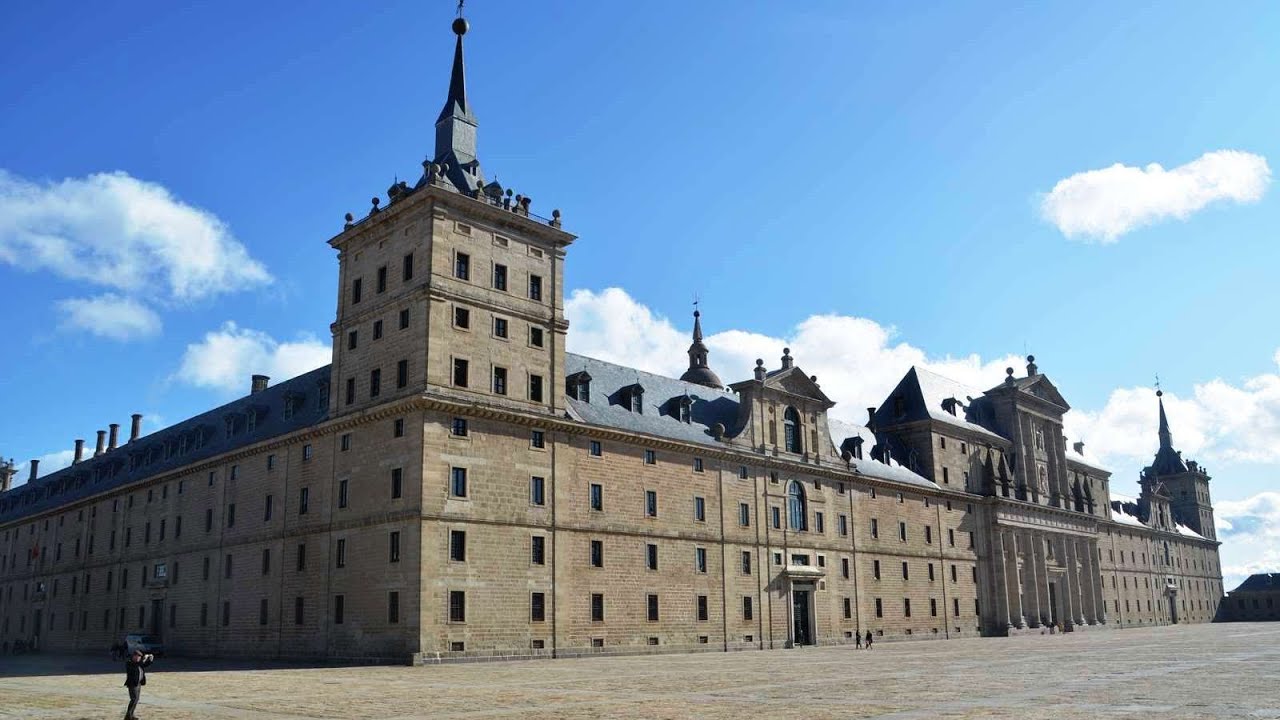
(79, 451)
(135, 431)
(871, 419)
(115, 436)
(258, 384)
(102, 443)
(1079, 446)
(35, 469)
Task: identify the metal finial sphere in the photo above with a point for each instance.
(460, 26)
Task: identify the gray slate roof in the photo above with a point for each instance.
(113, 469)
(1260, 582)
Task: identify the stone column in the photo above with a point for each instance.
(1086, 580)
(1068, 590)
(1015, 571)
(1003, 608)
(1033, 549)
(1100, 583)
(1076, 571)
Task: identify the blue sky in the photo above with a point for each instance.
(782, 160)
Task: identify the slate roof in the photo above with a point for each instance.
(842, 430)
(659, 418)
(924, 392)
(1076, 457)
(110, 470)
(1260, 582)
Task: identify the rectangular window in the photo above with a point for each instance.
(651, 556)
(266, 561)
(744, 514)
(700, 509)
(650, 457)
(397, 428)
(457, 546)
(818, 524)
(597, 607)
(535, 336)
(397, 483)
(946, 476)
(406, 268)
(460, 370)
(746, 562)
(535, 388)
(702, 608)
(842, 523)
(953, 573)
(459, 427)
(351, 390)
(306, 452)
(500, 277)
(537, 607)
(535, 287)
(298, 604)
(262, 612)
(231, 516)
(776, 517)
(500, 327)
(462, 266)
(339, 605)
(537, 439)
(377, 329)
(393, 547)
(457, 606)
(906, 575)
(844, 568)
(381, 283)
(697, 464)
(875, 528)
(304, 500)
(951, 537)
(537, 490)
(404, 319)
(902, 531)
(651, 503)
(538, 550)
(375, 383)
(226, 613)
(848, 609)
(500, 380)
(933, 607)
(343, 493)
(226, 568)
(597, 553)
(352, 338)
(402, 374)
(204, 615)
(653, 607)
(344, 442)
(593, 447)
(906, 607)
(340, 554)
(747, 609)
(356, 286)
(928, 534)
(458, 482)
(302, 557)
(875, 569)
(700, 560)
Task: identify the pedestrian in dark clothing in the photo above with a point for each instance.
(868, 639)
(857, 640)
(135, 676)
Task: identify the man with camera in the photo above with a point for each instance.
(135, 676)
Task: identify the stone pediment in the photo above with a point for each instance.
(793, 381)
(1040, 387)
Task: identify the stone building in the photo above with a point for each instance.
(455, 484)
(1257, 598)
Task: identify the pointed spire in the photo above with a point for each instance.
(1168, 461)
(1166, 437)
(699, 371)
(456, 126)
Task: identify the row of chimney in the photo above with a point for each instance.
(107, 441)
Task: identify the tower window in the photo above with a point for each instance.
(500, 277)
(535, 287)
(791, 430)
(797, 507)
(462, 266)
(460, 368)
(382, 279)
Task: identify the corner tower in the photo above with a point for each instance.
(1185, 483)
(452, 287)
(699, 371)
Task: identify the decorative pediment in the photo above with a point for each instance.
(793, 381)
(1040, 387)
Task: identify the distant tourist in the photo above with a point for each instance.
(135, 676)
(857, 640)
(868, 639)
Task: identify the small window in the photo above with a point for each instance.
(356, 286)
(747, 609)
(650, 457)
(537, 491)
(344, 442)
(700, 509)
(701, 607)
(404, 319)
(397, 483)
(462, 318)
(651, 556)
(902, 531)
(352, 339)
(500, 327)
(351, 390)
(406, 269)
(744, 514)
(462, 266)
(597, 614)
(500, 277)
(651, 503)
(535, 336)
(597, 553)
(537, 607)
(535, 388)
(593, 447)
(458, 482)
(304, 498)
(652, 603)
(459, 427)
(397, 428)
(697, 464)
(460, 368)
(537, 439)
(700, 560)
(457, 606)
(343, 495)
(535, 287)
(402, 374)
(500, 381)
(742, 472)
(457, 546)
(538, 550)
(597, 497)
(746, 562)
(381, 283)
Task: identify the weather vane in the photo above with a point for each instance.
(460, 7)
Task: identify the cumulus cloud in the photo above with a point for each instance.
(1105, 204)
(110, 316)
(857, 360)
(127, 235)
(226, 358)
(48, 463)
(1250, 531)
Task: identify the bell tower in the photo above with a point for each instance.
(1185, 483)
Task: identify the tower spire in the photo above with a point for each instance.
(456, 125)
(699, 371)
(1168, 461)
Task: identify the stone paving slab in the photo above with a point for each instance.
(1197, 671)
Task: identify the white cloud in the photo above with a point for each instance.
(1105, 204)
(110, 316)
(130, 236)
(226, 358)
(1250, 531)
(856, 359)
(48, 463)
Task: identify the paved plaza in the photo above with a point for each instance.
(1198, 671)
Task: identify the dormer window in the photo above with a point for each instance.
(252, 419)
(684, 409)
(578, 386)
(633, 398)
(899, 406)
(857, 447)
(949, 405)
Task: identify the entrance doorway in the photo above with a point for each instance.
(1173, 609)
(157, 609)
(800, 602)
(1053, 603)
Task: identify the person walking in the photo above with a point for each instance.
(868, 639)
(857, 641)
(135, 676)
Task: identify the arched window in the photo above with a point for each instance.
(791, 430)
(797, 508)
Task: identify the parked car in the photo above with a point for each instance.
(149, 644)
